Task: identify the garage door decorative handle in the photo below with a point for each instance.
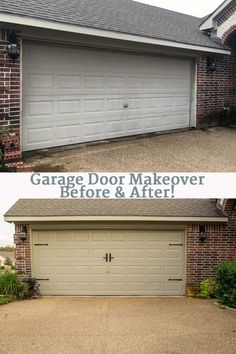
(175, 244)
(41, 244)
(110, 257)
(43, 279)
(106, 257)
(175, 279)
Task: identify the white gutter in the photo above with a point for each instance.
(33, 22)
(209, 22)
(27, 219)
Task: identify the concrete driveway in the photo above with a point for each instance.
(211, 150)
(106, 325)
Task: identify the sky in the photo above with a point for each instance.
(198, 8)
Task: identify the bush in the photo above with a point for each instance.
(226, 283)
(32, 286)
(207, 289)
(8, 262)
(6, 299)
(11, 285)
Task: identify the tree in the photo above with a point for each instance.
(7, 249)
(8, 262)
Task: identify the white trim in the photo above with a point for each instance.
(193, 95)
(27, 219)
(21, 93)
(26, 21)
(209, 22)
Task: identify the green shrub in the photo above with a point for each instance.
(8, 262)
(226, 283)
(6, 299)
(11, 285)
(207, 289)
(32, 286)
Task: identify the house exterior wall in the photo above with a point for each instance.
(218, 89)
(22, 252)
(10, 81)
(220, 245)
(214, 90)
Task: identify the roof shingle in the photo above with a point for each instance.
(125, 16)
(111, 207)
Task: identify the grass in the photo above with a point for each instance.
(6, 299)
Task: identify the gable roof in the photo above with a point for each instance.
(122, 16)
(208, 22)
(36, 209)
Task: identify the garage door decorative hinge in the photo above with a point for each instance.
(41, 244)
(175, 244)
(42, 279)
(175, 279)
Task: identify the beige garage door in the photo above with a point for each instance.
(74, 95)
(109, 262)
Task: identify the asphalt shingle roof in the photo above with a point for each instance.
(110, 207)
(125, 16)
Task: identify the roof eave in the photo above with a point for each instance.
(58, 26)
(29, 219)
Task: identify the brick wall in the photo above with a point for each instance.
(9, 88)
(22, 252)
(220, 245)
(214, 90)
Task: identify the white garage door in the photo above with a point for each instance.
(73, 95)
(109, 262)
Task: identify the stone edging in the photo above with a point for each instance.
(223, 306)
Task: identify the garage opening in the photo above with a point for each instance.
(74, 95)
(109, 262)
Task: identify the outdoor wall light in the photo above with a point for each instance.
(13, 47)
(202, 233)
(23, 233)
(211, 64)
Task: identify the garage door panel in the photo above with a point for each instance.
(81, 236)
(40, 82)
(173, 254)
(43, 236)
(173, 270)
(136, 270)
(172, 287)
(62, 269)
(68, 107)
(143, 263)
(80, 253)
(117, 270)
(153, 270)
(81, 269)
(91, 87)
(116, 82)
(45, 253)
(46, 270)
